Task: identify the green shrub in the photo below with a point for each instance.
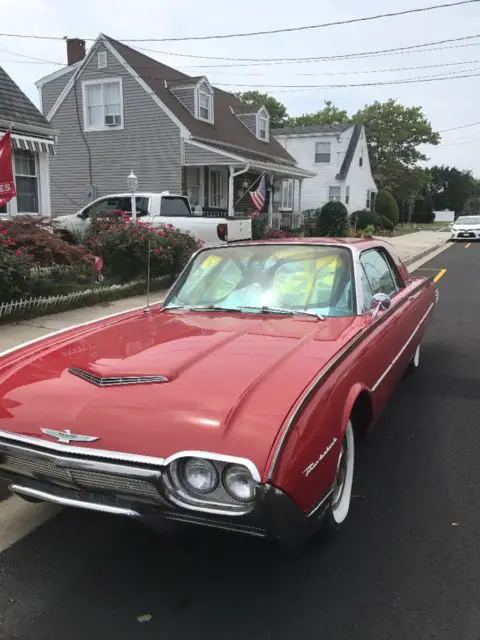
(386, 205)
(310, 217)
(259, 227)
(124, 245)
(332, 221)
(361, 219)
(15, 277)
(384, 223)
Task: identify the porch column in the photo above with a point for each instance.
(231, 173)
(270, 202)
(300, 183)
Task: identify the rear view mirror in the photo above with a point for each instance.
(380, 302)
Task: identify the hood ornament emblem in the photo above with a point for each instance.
(66, 436)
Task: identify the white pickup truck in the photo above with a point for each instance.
(158, 209)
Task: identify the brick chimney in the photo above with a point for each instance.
(75, 50)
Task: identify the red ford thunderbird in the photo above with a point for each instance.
(234, 404)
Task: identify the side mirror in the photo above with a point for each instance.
(380, 302)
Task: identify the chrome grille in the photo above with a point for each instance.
(46, 471)
(111, 382)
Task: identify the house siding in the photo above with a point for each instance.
(196, 156)
(149, 144)
(186, 95)
(315, 191)
(51, 90)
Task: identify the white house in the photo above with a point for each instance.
(338, 155)
(33, 141)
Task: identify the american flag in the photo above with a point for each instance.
(258, 196)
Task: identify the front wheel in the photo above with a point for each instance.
(414, 363)
(337, 511)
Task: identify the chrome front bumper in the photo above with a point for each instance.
(140, 492)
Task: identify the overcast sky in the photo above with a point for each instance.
(446, 103)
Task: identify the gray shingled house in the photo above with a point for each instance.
(116, 110)
(33, 142)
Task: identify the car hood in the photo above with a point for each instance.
(466, 227)
(231, 380)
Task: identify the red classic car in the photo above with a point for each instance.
(234, 404)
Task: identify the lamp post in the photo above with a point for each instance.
(132, 182)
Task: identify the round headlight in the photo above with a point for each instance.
(239, 483)
(200, 475)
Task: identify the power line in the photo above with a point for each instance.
(269, 31)
(377, 84)
(448, 76)
(33, 60)
(461, 126)
(341, 56)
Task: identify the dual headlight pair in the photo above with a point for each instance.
(202, 477)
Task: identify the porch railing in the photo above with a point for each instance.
(287, 220)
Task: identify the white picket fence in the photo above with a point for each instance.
(47, 304)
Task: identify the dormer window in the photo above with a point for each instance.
(263, 126)
(204, 105)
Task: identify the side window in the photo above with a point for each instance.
(141, 204)
(378, 272)
(106, 204)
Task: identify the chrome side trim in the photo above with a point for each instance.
(327, 370)
(402, 350)
(118, 381)
(71, 502)
(318, 506)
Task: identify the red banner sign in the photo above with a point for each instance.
(7, 184)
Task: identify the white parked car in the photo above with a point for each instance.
(466, 228)
(159, 209)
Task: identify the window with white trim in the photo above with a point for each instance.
(334, 194)
(322, 152)
(286, 201)
(102, 59)
(193, 185)
(103, 105)
(26, 181)
(263, 127)
(217, 189)
(204, 105)
(347, 195)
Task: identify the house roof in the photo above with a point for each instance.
(352, 145)
(227, 128)
(16, 107)
(312, 129)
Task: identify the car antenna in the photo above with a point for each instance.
(148, 275)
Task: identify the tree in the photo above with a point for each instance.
(394, 135)
(451, 188)
(387, 206)
(330, 114)
(277, 110)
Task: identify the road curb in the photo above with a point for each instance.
(422, 254)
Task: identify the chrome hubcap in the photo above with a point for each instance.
(340, 478)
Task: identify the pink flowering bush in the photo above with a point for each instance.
(34, 261)
(124, 243)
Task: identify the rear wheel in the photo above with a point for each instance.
(339, 507)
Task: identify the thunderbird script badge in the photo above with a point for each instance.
(66, 436)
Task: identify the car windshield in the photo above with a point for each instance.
(469, 220)
(269, 278)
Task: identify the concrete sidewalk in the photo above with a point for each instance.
(410, 247)
(414, 246)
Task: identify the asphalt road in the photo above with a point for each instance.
(406, 568)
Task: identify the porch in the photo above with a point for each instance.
(219, 182)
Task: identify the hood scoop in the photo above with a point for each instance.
(116, 381)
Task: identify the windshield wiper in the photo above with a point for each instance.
(202, 307)
(280, 310)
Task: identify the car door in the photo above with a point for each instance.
(389, 330)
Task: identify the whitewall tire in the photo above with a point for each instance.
(414, 363)
(339, 507)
